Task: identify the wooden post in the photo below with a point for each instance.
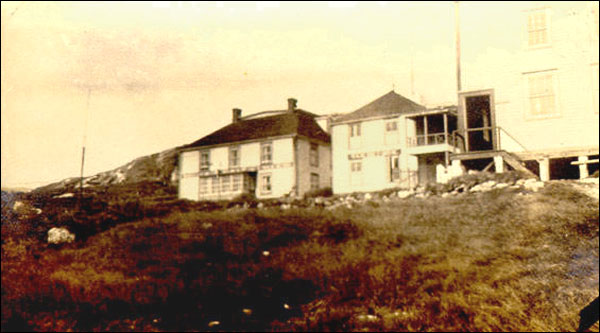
(499, 164)
(425, 129)
(544, 169)
(446, 156)
(583, 168)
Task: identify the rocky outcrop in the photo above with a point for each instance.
(156, 167)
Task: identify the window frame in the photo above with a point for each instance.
(205, 163)
(266, 179)
(264, 145)
(237, 150)
(313, 154)
(547, 29)
(529, 115)
(314, 185)
(356, 172)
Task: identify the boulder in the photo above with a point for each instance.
(60, 235)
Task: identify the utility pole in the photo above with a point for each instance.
(457, 30)
(87, 112)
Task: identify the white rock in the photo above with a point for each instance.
(501, 185)
(368, 196)
(60, 235)
(37, 211)
(260, 205)
(319, 200)
(403, 194)
(17, 205)
(65, 195)
(214, 323)
(533, 185)
(285, 206)
(266, 253)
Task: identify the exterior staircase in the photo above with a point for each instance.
(515, 163)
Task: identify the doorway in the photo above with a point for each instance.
(479, 122)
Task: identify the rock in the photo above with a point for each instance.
(60, 235)
(247, 311)
(266, 253)
(404, 194)
(533, 185)
(483, 187)
(65, 195)
(367, 318)
(17, 205)
(285, 206)
(37, 211)
(319, 200)
(214, 323)
(260, 205)
(368, 196)
(445, 195)
(501, 185)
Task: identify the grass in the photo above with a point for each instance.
(494, 261)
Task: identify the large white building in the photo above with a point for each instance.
(538, 102)
(390, 142)
(269, 154)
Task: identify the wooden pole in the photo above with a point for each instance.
(87, 112)
(457, 30)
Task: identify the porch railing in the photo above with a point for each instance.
(490, 134)
(430, 139)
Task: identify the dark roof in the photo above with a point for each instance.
(296, 122)
(387, 105)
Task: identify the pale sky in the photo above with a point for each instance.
(163, 74)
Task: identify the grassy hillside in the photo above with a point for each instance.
(502, 260)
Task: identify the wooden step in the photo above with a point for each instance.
(516, 163)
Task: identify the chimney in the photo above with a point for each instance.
(236, 115)
(292, 104)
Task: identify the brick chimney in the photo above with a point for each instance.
(236, 115)
(292, 104)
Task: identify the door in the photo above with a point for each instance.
(479, 121)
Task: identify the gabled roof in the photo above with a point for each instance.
(389, 104)
(285, 123)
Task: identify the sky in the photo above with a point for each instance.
(131, 79)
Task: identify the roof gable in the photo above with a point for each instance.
(387, 105)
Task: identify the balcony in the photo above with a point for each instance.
(431, 143)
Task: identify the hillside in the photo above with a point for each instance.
(152, 168)
(504, 259)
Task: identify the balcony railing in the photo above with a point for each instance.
(429, 139)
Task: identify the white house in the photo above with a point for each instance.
(390, 142)
(269, 154)
(538, 102)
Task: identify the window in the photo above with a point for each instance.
(203, 185)
(265, 186)
(356, 173)
(394, 168)
(234, 157)
(391, 126)
(237, 182)
(354, 130)
(215, 184)
(225, 183)
(205, 160)
(538, 28)
(314, 154)
(355, 138)
(391, 132)
(314, 181)
(542, 100)
(266, 153)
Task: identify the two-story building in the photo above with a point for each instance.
(268, 154)
(390, 142)
(538, 102)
